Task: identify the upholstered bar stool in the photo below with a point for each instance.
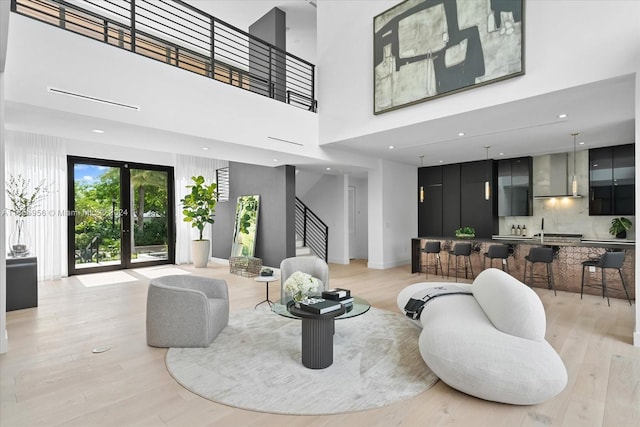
(433, 249)
(540, 255)
(461, 250)
(608, 260)
(500, 252)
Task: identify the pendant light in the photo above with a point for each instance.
(487, 184)
(421, 187)
(574, 181)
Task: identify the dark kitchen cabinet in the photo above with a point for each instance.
(475, 210)
(515, 187)
(430, 201)
(450, 199)
(453, 196)
(612, 180)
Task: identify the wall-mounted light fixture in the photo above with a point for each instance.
(421, 196)
(487, 184)
(574, 181)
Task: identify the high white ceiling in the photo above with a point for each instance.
(602, 112)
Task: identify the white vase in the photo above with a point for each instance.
(200, 253)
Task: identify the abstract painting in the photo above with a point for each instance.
(424, 49)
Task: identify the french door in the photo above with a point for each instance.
(121, 215)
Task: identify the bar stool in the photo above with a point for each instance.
(434, 249)
(461, 250)
(612, 260)
(497, 252)
(542, 255)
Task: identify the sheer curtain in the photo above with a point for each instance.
(38, 157)
(186, 167)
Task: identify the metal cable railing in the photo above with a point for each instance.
(178, 34)
(314, 232)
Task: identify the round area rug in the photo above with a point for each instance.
(255, 363)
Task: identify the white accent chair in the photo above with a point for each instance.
(186, 310)
(490, 344)
(307, 264)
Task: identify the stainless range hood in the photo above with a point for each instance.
(558, 179)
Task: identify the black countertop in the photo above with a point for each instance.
(527, 240)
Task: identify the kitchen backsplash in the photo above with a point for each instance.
(563, 215)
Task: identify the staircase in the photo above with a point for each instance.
(311, 232)
(301, 249)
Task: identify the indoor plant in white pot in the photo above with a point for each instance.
(198, 208)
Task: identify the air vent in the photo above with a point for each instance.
(93, 98)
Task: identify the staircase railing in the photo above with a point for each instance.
(181, 35)
(314, 232)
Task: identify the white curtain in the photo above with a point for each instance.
(186, 167)
(37, 158)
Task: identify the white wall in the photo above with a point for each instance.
(328, 198)
(393, 214)
(567, 43)
(111, 152)
(362, 217)
(4, 344)
(636, 333)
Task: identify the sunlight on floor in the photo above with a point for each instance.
(152, 272)
(109, 278)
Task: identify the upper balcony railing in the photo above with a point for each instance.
(178, 34)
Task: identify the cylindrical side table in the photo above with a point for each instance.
(317, 337)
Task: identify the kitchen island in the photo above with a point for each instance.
(567, 263)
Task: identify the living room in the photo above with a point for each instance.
(177, 120)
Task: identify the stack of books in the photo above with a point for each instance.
(320, 306)
(343, 296)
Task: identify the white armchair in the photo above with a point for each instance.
(307, 264)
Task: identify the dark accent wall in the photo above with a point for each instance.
(276, 187)
(272, 29)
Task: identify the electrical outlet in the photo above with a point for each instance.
(592, 269)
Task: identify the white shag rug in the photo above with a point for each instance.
(255, 364)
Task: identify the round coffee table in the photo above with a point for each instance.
(318, 329)
(358, 307)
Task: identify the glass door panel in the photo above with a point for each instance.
(150, 219)
(96, 216)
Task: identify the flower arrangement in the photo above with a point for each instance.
(300, 285)
(22, 200)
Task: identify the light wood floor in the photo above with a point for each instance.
(50, 377)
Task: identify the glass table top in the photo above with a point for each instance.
(359, 306)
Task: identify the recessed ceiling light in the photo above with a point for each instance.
(461, 134)
(97, 131)
(205, 148)
(441, 161)
(391, 147)
(581, 143)
(328, 169)
(562, 116)
(275, 160)
(502, 154)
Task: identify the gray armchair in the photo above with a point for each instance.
(186, 310)
(307, 264)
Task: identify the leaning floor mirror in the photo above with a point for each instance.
(244, 233)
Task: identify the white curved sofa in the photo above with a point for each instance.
(490, 344)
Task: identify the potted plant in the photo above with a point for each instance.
(466, 232)
(24, 202)
(619, 227)
(198, 208)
